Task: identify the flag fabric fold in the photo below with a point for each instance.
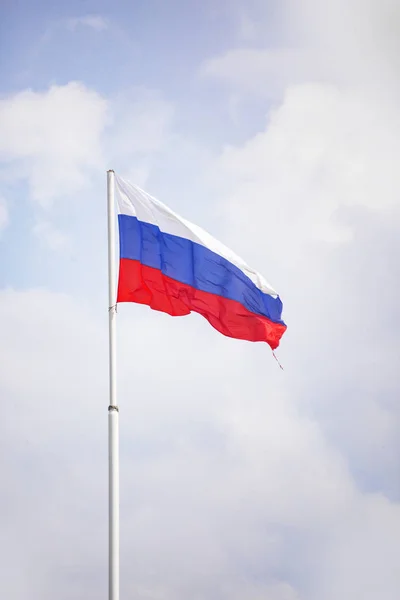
(176, 267)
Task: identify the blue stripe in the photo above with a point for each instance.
(194, 265)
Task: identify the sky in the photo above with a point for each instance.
(275, 125)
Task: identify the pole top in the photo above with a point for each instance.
(110, 171)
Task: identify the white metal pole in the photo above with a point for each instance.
(113, 432)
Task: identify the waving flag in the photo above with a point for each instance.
(176, 267)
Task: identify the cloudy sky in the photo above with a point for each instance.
(275, 125)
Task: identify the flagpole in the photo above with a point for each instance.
(113, 413)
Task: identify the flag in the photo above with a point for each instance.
(176, 267)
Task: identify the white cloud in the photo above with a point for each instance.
(236, 499)
(60, 139)
(367, 56)
(277, 591)
(52, 138)
(369, 48)
(96, 22)
(323, 149)
(312, 200)
(237, 481)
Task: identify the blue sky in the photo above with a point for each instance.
(136, 48)
(124, 53)
(275, 126)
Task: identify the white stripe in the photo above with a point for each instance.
(134, 202)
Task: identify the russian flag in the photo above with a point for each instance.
(176, 267)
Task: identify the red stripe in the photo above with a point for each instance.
(146, 285)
